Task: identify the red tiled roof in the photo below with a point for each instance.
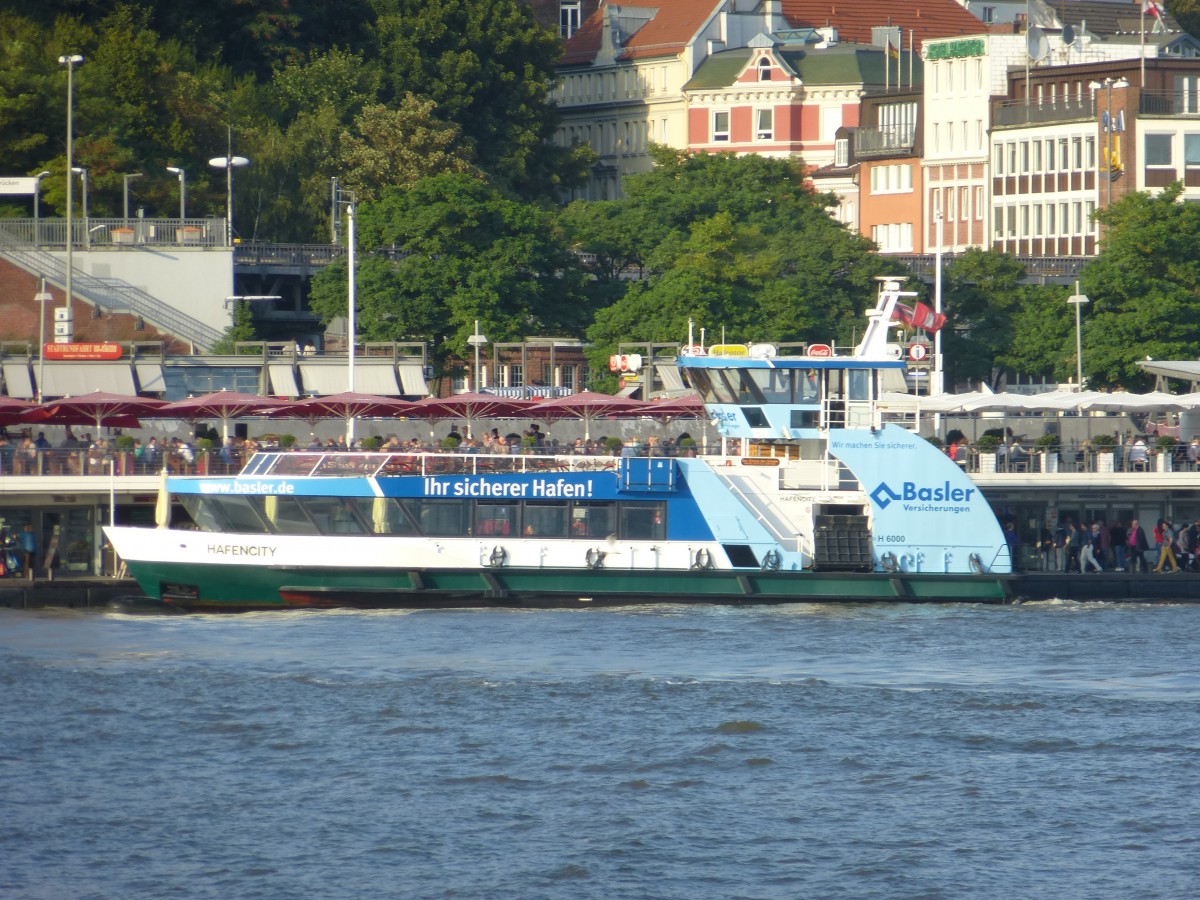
(675, 23)
(854, 19)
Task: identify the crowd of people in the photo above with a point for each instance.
(1099, 547)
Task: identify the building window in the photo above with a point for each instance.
(764, 124)
(998, 224)
(950, 205)
(1050, 154)
(1191, 149)
(1050, 229)
(1024, 157)
(1024, 211)
(999, 163)
(1064, 157)
(979, 204)
(1037, 220)
(1077, 154)
(720, 125)
(841, 152)
(764, 69)
(568, 17)
(1158, 150)
(987, 15)
(514, 376)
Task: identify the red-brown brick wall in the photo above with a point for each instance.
(19, 316)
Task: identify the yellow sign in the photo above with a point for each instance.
(728, 350)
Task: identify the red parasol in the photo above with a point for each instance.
(98, 408)
(347, 405)
(223, 405)
(469, 406)
(587, 406)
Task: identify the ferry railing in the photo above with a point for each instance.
(18, 460)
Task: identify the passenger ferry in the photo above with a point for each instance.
(826, 502)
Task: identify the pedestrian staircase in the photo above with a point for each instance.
(112, 294)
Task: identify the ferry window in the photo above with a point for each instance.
(440, 517)
(775, 385)
(714, 385)
(286, 515)
(237, 514)
(495, 518)
(201, 511)
(755, 417)
(593, 520)
(389, 517)
(810, 387)
(859, 387)
(643, 522)
(336, 515)
(748, 391)
(544, 520)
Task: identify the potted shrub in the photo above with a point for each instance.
(287, 441)
(204, 449)
(986, 445)
(1047, 445)
(371, 444)
(935, 441)
(1166, 452)
(688, 446)
(450, 444)
(1103, 445)
(528, 444)
(613, 445)
(125, 462)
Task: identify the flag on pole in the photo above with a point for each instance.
(1152, 9)
(919, 316)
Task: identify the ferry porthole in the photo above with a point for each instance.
(498, 558)
(889, 562)
(594, 558)
(771, 561)
(976, 564)
(703, 559)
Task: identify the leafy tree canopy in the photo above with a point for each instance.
(742, 244)
(457, 250)
(1143, 288)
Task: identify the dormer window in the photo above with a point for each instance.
(764, 69)
(569, 12)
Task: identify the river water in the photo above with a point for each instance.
(949, 751)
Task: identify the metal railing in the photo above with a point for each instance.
(1061, 109)
(1169, 103)
(891, 139)
(117, 233)
(112, 294)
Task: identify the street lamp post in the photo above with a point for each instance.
(176, 170)
(1077, 300)
(477, 340)
(70, 62)
(37, 214)
(350, 309)
(125, 207)
(82, 172)
(228, 163)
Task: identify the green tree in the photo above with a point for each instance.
(241, 329)
(457, 250)
(394, 147)
(1143, 288)
(488, 66)
(988, 310)
(740, 245)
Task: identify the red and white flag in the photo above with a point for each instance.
(919, 316)
(1152, 9)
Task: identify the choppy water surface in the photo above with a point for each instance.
(793, 751)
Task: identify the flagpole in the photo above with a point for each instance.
(912, 48)
(1142, 58)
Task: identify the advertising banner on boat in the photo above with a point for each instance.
(928, 515)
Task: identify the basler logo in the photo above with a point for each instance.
(914, 495)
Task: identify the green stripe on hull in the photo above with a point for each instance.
(258, 587)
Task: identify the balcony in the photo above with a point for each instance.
(894, 140)
(1169, 103)
(1014, 113)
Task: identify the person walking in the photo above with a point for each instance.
(1073, 547)
(27, 541)
(1164, 538)
(1091, 544)
(1118, 541)
(1138, 546)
